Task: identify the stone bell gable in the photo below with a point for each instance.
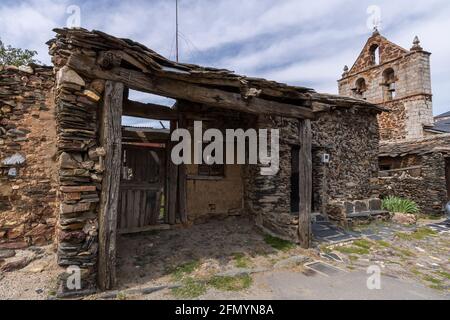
(399, 79)
(376, 45)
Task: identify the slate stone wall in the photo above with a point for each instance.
(268, 198)
(27, 156)
(426, 186)
(350, 137)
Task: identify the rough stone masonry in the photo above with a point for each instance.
(27, 156)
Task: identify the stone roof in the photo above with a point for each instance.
(149, 62)
(437, 143)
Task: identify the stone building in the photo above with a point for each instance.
(399, 79)
(105, 180)
(418, 170)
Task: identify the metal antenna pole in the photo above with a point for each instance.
(176, 2)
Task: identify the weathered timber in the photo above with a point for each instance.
(111, 136)
(178, 89)
(172, 184)
(148, 111)
(305, 181)
(182, 181)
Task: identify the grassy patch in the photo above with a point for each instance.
(241, 260)
(353, 250)
(404, 252)
(443, 274)
(279, 244)
(353, 258)
(325, 249)
(432, 280)
(190, 289)
(184, 269)
(237, 283)
(419, 234)
(363, 243)
(384, 244)
(121, 296)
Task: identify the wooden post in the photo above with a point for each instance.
(172, 187)
(182, 181)
(111, 141)
(305, 181)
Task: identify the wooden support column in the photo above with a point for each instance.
(172, 181)
(182, 181)
(111, 141)
(305, 181)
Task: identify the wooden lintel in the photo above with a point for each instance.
(148, 111)
(178, 89)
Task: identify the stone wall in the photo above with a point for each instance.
(80, 163)
(27, 156)
(350, 137)
(411, 107)
(268, 198)
(209, 197)
(427, 186)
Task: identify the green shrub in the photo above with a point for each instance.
(396, 204)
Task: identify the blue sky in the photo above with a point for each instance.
(294, 41)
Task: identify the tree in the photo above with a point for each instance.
(16, 56)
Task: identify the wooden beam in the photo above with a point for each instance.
(305, 181)
(148, 111)
(178, 89)
(111, 141)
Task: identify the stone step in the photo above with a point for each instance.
(367, 214)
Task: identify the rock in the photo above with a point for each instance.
(16, 264)
(79, 207)
(6, 109)
(98, 86)
(26, 69)
(403, 218)
(291, 262)
(13, 245)
(4, 254)
(67, 162)
(70, 189)
(92, 95)
(240, 272)
(67, 75)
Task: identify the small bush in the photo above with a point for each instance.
(396, 204)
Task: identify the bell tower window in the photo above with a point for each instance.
(375, 54)
(389, 84)
(360, 88)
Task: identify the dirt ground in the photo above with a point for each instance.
(232, 259)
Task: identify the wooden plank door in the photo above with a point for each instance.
(141, 188)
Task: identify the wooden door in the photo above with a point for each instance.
(141, 188)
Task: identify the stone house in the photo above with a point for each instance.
(71, 173)
(419, 170)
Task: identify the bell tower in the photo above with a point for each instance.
(399, 79)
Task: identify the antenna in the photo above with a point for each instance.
(176, 36)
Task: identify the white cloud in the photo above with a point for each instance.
(295, 41)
